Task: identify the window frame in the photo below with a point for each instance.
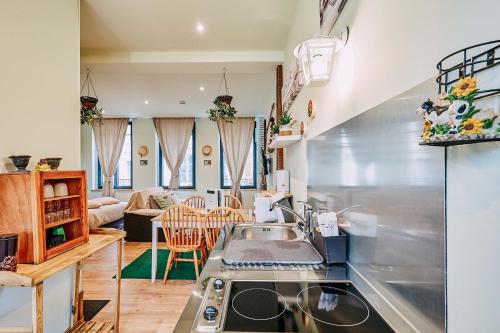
(221, 164)
(160, 164)
(115, 175)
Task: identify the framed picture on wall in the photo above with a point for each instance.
(329, 12)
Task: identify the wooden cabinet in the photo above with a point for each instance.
(23, 210)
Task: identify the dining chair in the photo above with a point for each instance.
(182, 227)
(195, 201)
(232, 201)
(215, 221)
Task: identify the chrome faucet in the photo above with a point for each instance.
(304, 224)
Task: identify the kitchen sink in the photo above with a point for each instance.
(266, 232)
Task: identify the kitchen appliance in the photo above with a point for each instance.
(291, 306)
(214, 199)
(283, 181)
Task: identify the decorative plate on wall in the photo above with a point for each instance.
(143, 151)
(311, 109)
(206, 150)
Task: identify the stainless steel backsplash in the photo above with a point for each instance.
(396, 250)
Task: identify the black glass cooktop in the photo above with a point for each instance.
(300, 307)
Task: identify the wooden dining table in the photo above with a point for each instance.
(156, 225)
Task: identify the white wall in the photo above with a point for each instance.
(143, 133)
(393, 46)
(39, 89)
(473, 229)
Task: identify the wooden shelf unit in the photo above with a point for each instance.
(62, 198)
(24, 207)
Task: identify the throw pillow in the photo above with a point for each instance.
(163, 202)
(94, 204)
(105, 201)
(152, 203)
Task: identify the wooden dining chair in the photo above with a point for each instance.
(232, 201)
(215, 221)
(195, 201)
(183, 229)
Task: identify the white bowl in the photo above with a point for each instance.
(61, 189)
(48, 191)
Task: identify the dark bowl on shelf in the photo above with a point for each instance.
(20, 161)
(53, 162)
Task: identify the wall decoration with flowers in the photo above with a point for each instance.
(456, 115)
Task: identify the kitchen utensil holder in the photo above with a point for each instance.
(333, 249)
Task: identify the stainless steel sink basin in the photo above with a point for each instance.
(268, 233)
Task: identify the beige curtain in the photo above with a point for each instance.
(174, 134)
(109, 137)
(236, 138)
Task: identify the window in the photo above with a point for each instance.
(187, 170)
(123, 173)
(249, 179)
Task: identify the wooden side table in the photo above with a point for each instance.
(33, 276)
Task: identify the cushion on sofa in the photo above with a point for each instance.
(94, 204)
(163, 201)
(104, 201)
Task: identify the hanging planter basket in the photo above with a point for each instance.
(226, 99)
(222, 109)
(88, 102)
(89, 112)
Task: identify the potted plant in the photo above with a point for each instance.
(285, 124)
(222, 111)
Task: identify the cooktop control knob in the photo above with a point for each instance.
(219, 285)
(210, 313)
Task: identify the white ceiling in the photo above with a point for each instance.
(124, 93)
(152, 25)
(151, 50)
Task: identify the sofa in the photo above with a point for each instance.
(138, 214)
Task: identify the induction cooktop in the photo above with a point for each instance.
(275, 306)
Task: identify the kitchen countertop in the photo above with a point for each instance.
(215, 268)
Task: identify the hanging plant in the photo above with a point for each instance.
(89, 112)
(222, 109)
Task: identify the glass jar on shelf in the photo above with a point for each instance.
(49, 211)
(59, 212)
(67, 210)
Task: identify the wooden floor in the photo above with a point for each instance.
(145, 307)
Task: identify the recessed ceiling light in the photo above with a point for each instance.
(200, 27)
(146, 102)
(202, 88)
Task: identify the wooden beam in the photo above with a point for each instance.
(119, 251)
(76, 295)
(280, 161)
(37, 308)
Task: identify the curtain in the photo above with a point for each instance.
(174, 135)
(109, 137)
(236, 138)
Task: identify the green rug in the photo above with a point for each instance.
(140, 268)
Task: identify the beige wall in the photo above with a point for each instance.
(39, 92)
(39, 88)
(147, 176)
(395, 45)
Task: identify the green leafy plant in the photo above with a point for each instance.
(286, 119)
(89, 115)
(222, 111)
(275, 129)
